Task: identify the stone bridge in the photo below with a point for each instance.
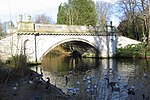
(36, 40)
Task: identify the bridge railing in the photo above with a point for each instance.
(28, 28)
(32, 27)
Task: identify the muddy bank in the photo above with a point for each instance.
(15, 85)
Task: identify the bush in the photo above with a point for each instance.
(17, 61)
(133, 50)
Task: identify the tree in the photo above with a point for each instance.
(134, 12)
(44, 19)
(77, 12)
(103, 10)
(1, 29)
(62, 12)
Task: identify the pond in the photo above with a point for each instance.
(86, 78)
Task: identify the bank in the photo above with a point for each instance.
(15, 85)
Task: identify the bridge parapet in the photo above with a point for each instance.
(25, 27)
(33, 27)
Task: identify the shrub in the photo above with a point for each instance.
(17, 61)
(133, 50)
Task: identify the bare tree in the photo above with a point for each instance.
(135, 12)
(44, 19)
(1, 29)
(103, 10)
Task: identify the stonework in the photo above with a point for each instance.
(36, 40)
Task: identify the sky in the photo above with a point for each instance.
(11, 9)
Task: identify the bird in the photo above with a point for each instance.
(143, 96)
(47, 83)
(67, 79)
(125, 85)
(95, 86)
(72, 91)
(145, 75)
(41, 70)
(16, 86)
(131, 90)
(31, 81)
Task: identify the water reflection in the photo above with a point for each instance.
(86, 76)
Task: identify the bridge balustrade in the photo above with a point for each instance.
(26, 28)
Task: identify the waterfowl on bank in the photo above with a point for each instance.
(67, 79)
(47, 85)
(41, 72)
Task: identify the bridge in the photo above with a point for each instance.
(36, 40)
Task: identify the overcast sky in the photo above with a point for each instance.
(11, 9)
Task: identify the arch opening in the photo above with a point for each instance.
(85, 48)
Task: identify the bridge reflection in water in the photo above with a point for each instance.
(87, 78)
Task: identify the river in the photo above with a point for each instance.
(85, 77)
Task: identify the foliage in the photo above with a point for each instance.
(77, 12)
(133, 50)
(43, 19)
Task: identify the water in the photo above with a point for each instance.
(85, 78)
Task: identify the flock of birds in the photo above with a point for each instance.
(35, 79)
(114, 86)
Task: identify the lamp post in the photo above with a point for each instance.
(35, 44)
(111, 28)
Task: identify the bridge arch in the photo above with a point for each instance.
(69, 40)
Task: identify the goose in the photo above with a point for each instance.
(143, 96)
(47, 83)
(67, 79)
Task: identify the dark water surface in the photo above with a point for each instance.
(85, 78)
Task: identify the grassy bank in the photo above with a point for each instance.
(16, 71)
